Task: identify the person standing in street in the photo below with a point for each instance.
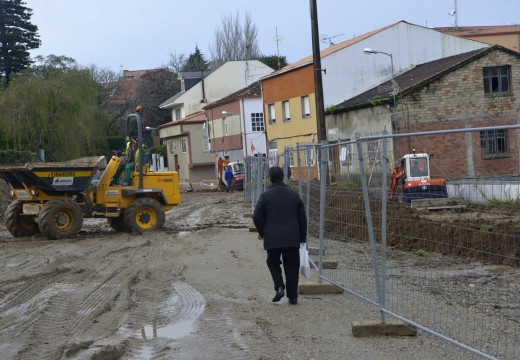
(281, 221)
(228, 176)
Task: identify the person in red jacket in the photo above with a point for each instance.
(281, 221)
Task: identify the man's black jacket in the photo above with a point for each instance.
(280, 217)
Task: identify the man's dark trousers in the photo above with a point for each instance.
(291, 266)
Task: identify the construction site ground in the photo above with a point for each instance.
(198, 289)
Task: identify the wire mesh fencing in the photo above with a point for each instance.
(438, 248)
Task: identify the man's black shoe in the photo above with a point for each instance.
(279, 294)
(293, 301)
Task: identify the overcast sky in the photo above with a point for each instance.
(141, 34)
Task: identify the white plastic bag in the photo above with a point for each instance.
(305, 268)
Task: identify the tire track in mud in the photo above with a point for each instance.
(114, 287)
(24, 307)
(72, 316)
(160, 326)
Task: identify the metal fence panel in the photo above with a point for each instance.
(449, 267)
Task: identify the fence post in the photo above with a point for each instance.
(323, 189)
(254, 185)
(299, 162)
(247, 181)
(308, 199)
(384, 201)
(370, 227)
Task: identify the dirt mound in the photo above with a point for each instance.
(487, 233)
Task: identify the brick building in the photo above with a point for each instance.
(477, 89)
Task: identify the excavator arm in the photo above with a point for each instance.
(220, 164)
(397, 174)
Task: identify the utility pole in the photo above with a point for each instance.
(318, 86)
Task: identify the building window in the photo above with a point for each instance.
(309, 156)
(183, 146)
(257, 121)
(493, 143)
(272, 114)
(286, 111)
(177, 114)
(496, 79)
(224, 127)
(273, 153)
(205, 144)
(290, 155)
(345, 155)
(373, 152)
(306, 107)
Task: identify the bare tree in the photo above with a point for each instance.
(235, 41)
(176, 62)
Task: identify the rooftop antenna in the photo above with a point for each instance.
(455, 13)
(328, 39)
(278, 39)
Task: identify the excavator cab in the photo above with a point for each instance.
(418, 167)
(411, 179)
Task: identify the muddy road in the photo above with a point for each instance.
(199, 289)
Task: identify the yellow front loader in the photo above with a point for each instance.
(53, 198)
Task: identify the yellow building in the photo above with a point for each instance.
(290, 110)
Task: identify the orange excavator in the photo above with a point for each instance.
(411, 176)
(238, 170)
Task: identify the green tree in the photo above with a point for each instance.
(195, 62)
(57, 112)
(274, 61)
(45, 66)
(17, 36)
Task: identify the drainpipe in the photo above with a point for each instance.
(203, 91)
(244, 137)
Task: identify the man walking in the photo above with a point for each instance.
(228, 176)
(281, 221)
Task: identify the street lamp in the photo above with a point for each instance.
(369, 51)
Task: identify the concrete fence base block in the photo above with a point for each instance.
(392, 327)
(315, 288)
(252, 229)
(248, 215)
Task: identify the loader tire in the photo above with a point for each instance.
(144, 214)
(118, 223)
(60, 218)
(18, 224)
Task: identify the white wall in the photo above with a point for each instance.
(230, 77)
(351, 72)
(248, 106)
